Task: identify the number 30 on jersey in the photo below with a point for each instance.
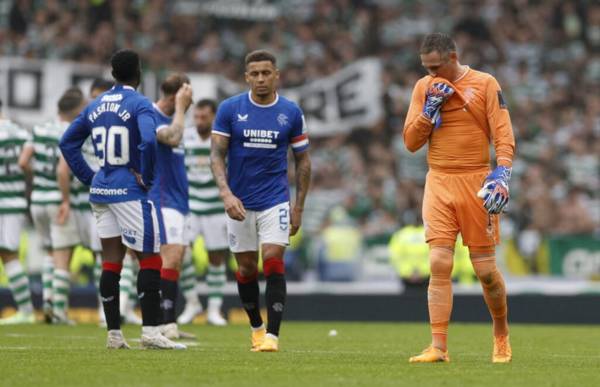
(112, 144)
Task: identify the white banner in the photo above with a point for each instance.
(338, 103)
(350, 98)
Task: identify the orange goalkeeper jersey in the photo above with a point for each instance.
(475, 116)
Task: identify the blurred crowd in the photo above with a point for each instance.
(545, 54)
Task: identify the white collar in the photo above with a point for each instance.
(263, 106)
(160, 111)
(124, 87)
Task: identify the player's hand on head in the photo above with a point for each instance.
(495, 192)
(436, 95)
(295, 220)
(183, 98)
(234, 207)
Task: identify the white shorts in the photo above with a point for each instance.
(134, 221)
(173, 227)
(213, 229)
(270, 226)
(54, 235)
(10, 231)
(88, 230)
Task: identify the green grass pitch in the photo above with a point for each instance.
(362, 354)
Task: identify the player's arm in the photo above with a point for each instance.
(147, 147)
(171, 135)
(24, 162)
(70, 146)
(63, 177)
(299, 143)
(219, 148)
(303, 170)
(25, 157)
(500, 125)
(417, 127)
(495, 190)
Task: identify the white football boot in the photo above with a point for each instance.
(171, 331)
(192, 309)
(115, 340)
(153, 339)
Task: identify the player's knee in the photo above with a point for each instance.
(171, 263)
(272, 250)
(273, 265)
(441, 267)
(247, 267)
(441, 260)
(62, 258)
(8, 256)
(485, 270)
(217, 257)
(485, 275)
(172, 256)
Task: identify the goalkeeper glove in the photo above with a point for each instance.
(437, 94)
(494, 192)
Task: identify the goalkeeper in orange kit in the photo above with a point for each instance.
(459, 112)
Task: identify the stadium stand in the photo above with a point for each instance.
(368, 171)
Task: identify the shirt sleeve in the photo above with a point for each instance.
(299, 133)
(159, 126)
(222, 122)
(70, 146)
(417, 128)
(500, 125)
(29, 137)
(147, 126)
(25, 136)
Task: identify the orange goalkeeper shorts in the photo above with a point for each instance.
(451, 205)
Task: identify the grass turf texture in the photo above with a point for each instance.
(362, 354)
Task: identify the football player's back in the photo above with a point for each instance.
(116, 134)
(121, 123)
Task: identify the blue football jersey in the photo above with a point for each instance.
(259, 138)
(170, 187)
(121, 123)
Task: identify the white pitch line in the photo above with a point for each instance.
(11, 348)
(75, 337)
(188, 343)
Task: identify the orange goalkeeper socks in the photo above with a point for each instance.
(439, 294)
(494, 293)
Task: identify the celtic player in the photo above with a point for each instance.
(51, 215)
(207, 218)
(13, 207)
(76, 195)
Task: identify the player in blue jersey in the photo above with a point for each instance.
(75, 201)
(121, 123)
(253, 131)
(169, 192)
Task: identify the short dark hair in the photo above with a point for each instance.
(206, 102)
(173, 82)
(71, 99)
(101, 83)
(259, 56)
(439, 42)
(125, 65)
